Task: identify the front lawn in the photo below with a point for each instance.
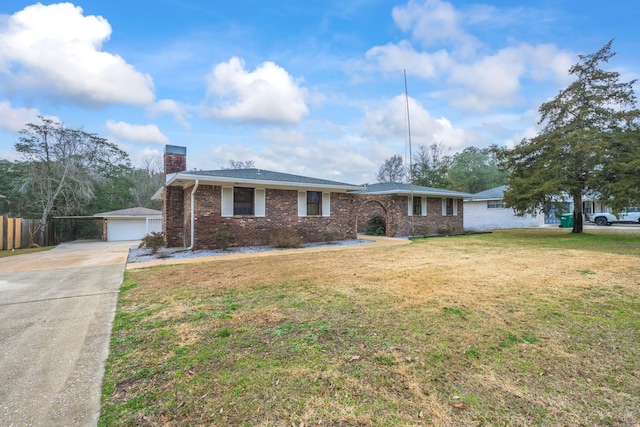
(531, 327)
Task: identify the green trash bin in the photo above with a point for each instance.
(566, 220)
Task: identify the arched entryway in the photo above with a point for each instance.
(369, 209)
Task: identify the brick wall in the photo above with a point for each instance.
(281, 210)
(173, 205)
(173, 215)
(174, 162)
(394, 209)
(348, 212)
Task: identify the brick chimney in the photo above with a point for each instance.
(175, 160)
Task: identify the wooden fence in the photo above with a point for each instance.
(18, 233)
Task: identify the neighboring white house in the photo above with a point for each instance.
(486, 211)
(130, 224)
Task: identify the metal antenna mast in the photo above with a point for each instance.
(406, 98)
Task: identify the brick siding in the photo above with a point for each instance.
(394, 209)
(281, 210)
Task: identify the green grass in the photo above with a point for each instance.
(378, 338)
(623, 243)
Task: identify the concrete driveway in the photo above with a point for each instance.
(56, 312)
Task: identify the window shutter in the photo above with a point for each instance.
(455, 206)
(260, 205)
(227, 201)
(444, 207)
(409, 206)
(424, 206)
(326, 204)
(302, 203)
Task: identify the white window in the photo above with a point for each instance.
(241, 201)
(449, 207)
(314, 203)
(417, 206)
(495, 204)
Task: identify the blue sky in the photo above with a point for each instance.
(313, 88)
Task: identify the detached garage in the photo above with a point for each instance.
(130, 224)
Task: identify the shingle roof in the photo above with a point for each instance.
(266, 175)
(400, 188)
(496, 193)
(139, 211)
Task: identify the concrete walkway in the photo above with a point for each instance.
(56, 312)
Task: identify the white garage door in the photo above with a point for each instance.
(126, 229)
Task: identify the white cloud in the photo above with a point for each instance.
(147, 134)
(55, 50)
(15, 119)
(390, 123)
(473, 78)
(305, 154)
(268, 94)
(496, 79)
(178, 110)
(402, 56)
(433, 22)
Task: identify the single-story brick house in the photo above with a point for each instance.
(252, 203)
(411, 210)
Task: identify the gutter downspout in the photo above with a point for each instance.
(193, 208)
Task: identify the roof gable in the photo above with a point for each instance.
(496, 193)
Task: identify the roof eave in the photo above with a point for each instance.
(185, 180)
(418, 193)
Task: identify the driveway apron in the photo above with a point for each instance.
(56, 312)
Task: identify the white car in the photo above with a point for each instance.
(605, 218)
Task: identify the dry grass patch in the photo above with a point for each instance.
(512, 328)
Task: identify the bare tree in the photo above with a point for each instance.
(146, 180)
(235, 164)
(431, 166)
(393, 170)
(61, 165)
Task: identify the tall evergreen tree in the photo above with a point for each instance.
(476, 169)
(580, 138)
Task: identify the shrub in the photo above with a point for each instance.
(449, 230)
(376, 226)
(422, 230)
(330, 236)
(152, 241)
(285, 238)
(224, 238)
(162, 254)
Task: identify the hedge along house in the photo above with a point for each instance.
(253, 203)
(411, 210)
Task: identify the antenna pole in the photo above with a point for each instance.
(406, 98)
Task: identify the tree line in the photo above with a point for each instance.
(65, 171)
(472, 170)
